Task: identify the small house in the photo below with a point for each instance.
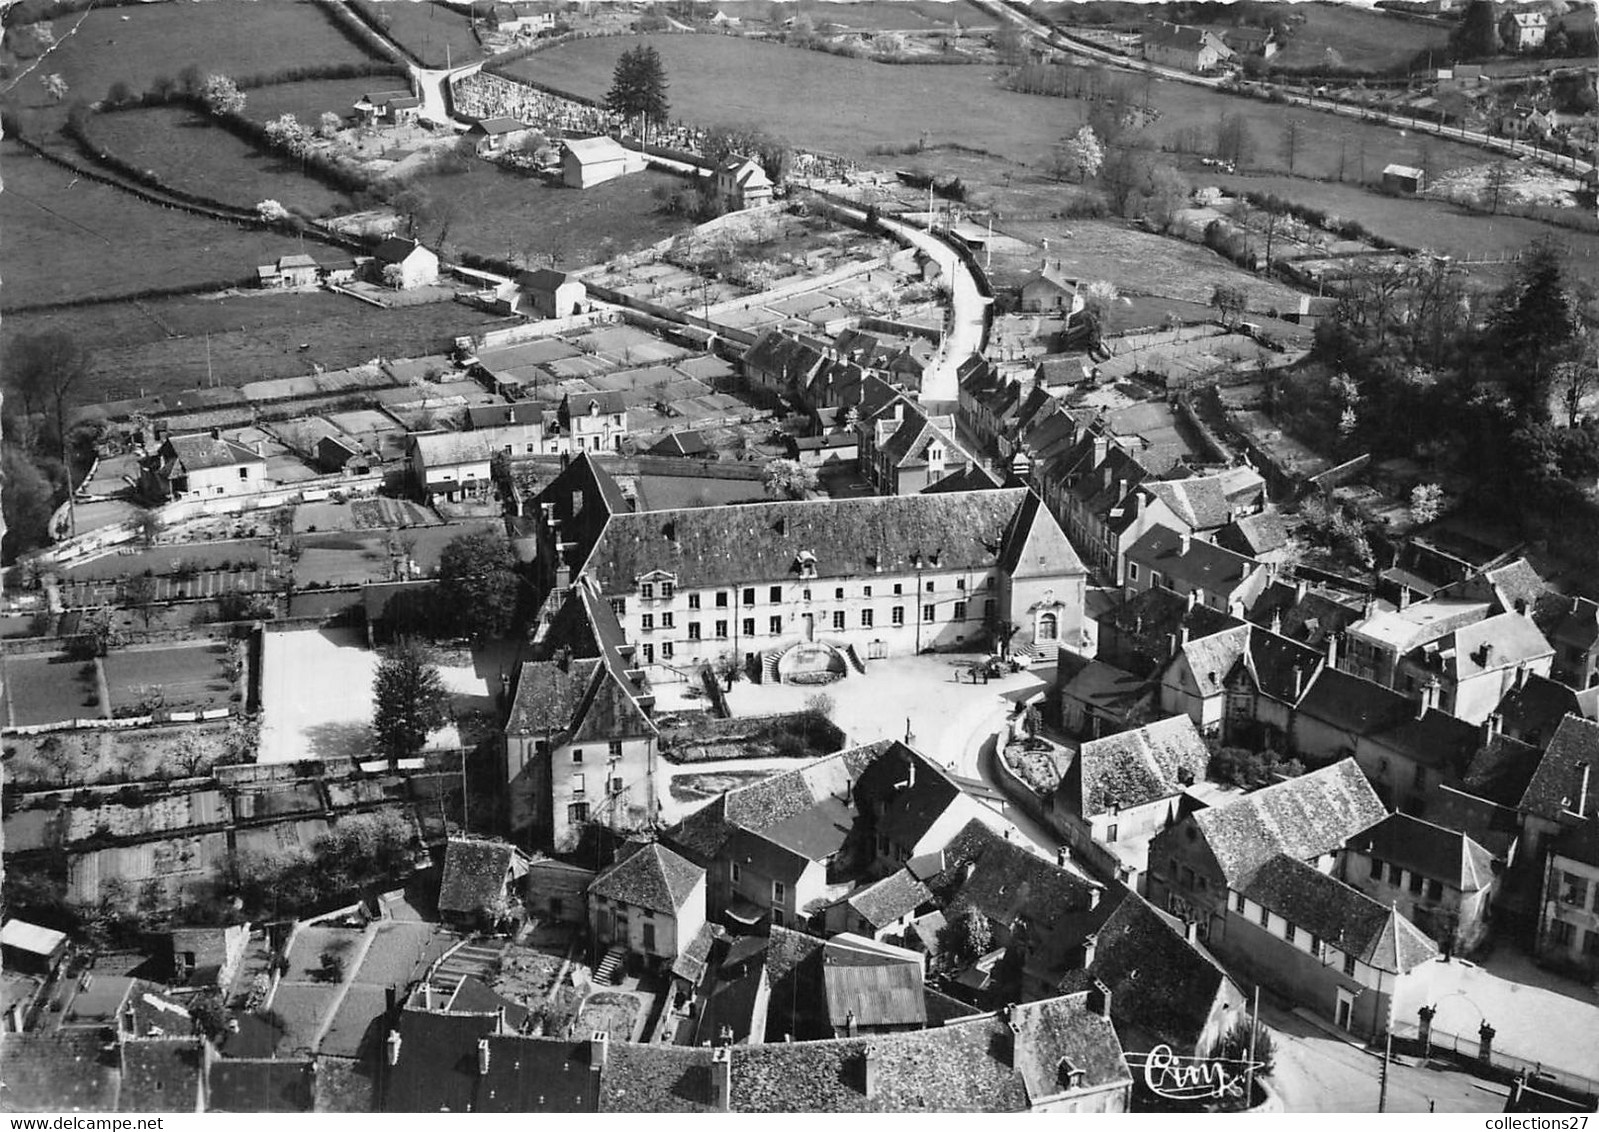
(388, 107)
(1524, 31)
(450, 464)
(594, 422)
(334, 453)
(551, 294)
(31, 948)
(289, 271)
(404, 264)
(202, 464)
(586, 162)
(741, 182)
(1185, 48)
(1403, 179)
(1048, 289)
(650, 904)
(481, 881)
(498, 135)
(208, 956)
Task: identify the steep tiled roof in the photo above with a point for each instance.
(1340, 915)
(652, 877)
(474, 873)
(657, 1079)
(1571, 758)
(586, 692)
(1303, 817)
(1143, 625)
(441, 449)
(1202, 564)
(65, 1071)
(1134, 767)
(1435, 852)
(733, 545)
(1309, 618)
(1580, 842)
(1005, 880)
(234, 1085)
(1500, 770)
(1180, 36)
(1200, 501)
(885, 901)
(160, 1075)
(439, 1068)
(914, 793)
(1579, 625)
(1502, 641)
(1535, 707)
(964, 1066)
(1254, 535)
(202, 450)
(396, 249)
(1282, 668)
(1162, 987)
(1211, 659)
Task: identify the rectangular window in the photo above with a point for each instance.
(749, 595)
(577, 755)
(960, 583)
(646, 622)
(721, 599)
(776, 594)
(1573, 890)
(806, 593)
(1349, 965)
(866, 619)
(693, 630)
(617, 786)
(577, 813)
(1132, 571)
(838, 593)
(960, 611)
(779, 893)
(774, 625)
(748, 627)
(649, 654)
(896, 616)
(619, 606)
(1265, 917)
(693, 601)
(578, 782)
(1561, 933)
(666, 620)
(616, 748)
(929, 587)
(988, 582)
(1289, 931)
(738, 873)
(1416, 882)
(1110, 834)
(668, 589)
(1396, 875)
(666, 650)
(866, 591)
(838, 618)
(721, 630)
(928, 612)
(1435, 890)
(899, 588)
(646, 590)
(649, 937)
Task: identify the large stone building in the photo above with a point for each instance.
(789, 587)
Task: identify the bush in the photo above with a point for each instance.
(1234, 1046)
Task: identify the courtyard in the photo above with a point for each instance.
(316, 696)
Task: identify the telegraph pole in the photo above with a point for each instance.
(1249, 1072)
(1387, 1056)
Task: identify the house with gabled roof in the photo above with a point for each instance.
(741, 182)
(1474, 665)
(1187, 565)
(1049, 289)
(792, 586)
(393, 107)
(579, 740)
(586, 162)
(498, 135)
(1564, 789)
(1576, 640)
(451, 465)
(1196, 862)
(593, 422)
(1534, 706)
(1194, 682)
(650, 904)
(1205, 504)
(1438, 878)
(903, 450)
(480, 881)
(1524, 31)
(882, 909)
(548, 293)
(1124, 788)
(1325, 944)
(1568, 908)
(1186, 48)
(201, 465)
(404, 264)
(1142, 634)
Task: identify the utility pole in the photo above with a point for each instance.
(1249, 1072)
(1387, 1055)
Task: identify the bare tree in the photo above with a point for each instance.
(1496, 184)
(1293, 137)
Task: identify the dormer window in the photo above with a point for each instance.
(646, 590)
(805, 563)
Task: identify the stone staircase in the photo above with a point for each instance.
(480, 958)
(609, 972)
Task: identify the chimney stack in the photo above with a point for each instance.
(871, 1069)
(1521, 676)
(1191, 931)
(851, 1027)
(1332, 650)
(482, 1057)
(393, 1045)
(1182, 632)
(1060, 856)
(1090, 946)
(1193, 595)
(599, 1049)
(1099, 999)
(1299, 682)
(722, 1079)
(1404, 597)
(1013, 1038)
(1429, 697)
(1582, 790)
(1276, 625)
(1369, 610)
(1491, 726)
(1301, 588)
(1185, 540)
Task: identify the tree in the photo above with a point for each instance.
(272, 212)
(119, 93)
(1235, 142)
(410, 701)
(1083, 154)
(974, 938)
(1426, 503)
(286, 132)
(189, 755)
(221, 95)
(1292, 139)
(47, 369)
(478, 581)
(139, 592)
(1230, 302)
(1476, 36)
(55, 86)
(1010, 45)
(329, 124)
(1536, 324)
(1098, 298)
(789, 479)
(1234, 1045)
(27, 501)
(638, 87)
(1496, 185)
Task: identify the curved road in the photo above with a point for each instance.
(1043, 31)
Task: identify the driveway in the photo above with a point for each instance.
(965, 336)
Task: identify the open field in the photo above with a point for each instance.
(137, 44)
(1436, 225)
(189, 677)
(355, 557)
(48, 689)
(254, 336)
(1359, 39)
(506, 215)
(435, 33)
(73, 239)
(186, 151)
(856, 108)
(308, 101)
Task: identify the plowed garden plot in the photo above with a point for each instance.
(49, 689)
(185, 151)
(182, 677)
